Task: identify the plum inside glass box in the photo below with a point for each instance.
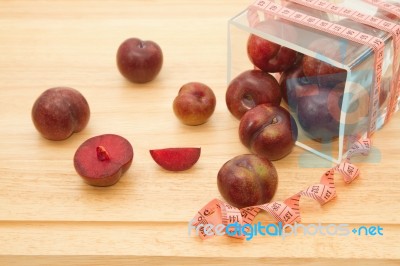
(330, 83)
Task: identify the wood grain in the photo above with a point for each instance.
(48, 216)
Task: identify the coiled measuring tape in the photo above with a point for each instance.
(288, 211)
(217, 212)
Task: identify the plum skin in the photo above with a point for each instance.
(268, 131)
(326, 75)
(139, 61)
(249, 89)
(59, 112)
(319, 113)
(294, 84)
(247, 180)
(267, 55)
(194, 104)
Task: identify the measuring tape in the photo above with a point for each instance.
(375, 43)
(395, 90)
(384, 25)
(288, 211)
(217, 212)
(393, 9)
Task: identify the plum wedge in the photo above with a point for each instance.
(176, 159)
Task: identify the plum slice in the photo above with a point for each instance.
(176, 159)
(102, 160)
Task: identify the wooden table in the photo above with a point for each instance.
(48, 216)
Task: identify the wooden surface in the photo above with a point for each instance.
(50, 215)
